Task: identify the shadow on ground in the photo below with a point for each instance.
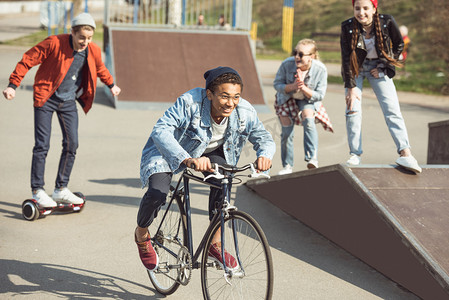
(22, 278)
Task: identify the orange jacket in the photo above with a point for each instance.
(55, 55)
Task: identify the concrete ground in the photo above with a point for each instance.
(92, 255)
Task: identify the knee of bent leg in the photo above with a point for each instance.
(285, 121)
(309, 123)
(70, 145)
(352, 112)
(356, 109)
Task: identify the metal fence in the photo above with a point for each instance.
(232, 14)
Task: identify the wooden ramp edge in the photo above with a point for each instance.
(391, 219)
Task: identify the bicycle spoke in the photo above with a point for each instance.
(251, 280)
(169, 238)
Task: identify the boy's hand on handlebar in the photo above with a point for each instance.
(263, 163)
(199, 164)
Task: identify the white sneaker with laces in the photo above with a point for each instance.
(409, 163)
(312, 164)
(286, 170)
(66, 196)
(43, 199)
(354, 160)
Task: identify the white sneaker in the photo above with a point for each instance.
(409, 163)
(286, 170)
(312, 164)
(354, 160)
(43, 199)
(65, 195)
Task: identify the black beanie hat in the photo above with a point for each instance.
(212, 74)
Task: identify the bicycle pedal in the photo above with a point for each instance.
(162, 268)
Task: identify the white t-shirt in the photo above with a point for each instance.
(218, 133)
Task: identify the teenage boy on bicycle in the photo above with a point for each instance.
(204, 126)
(69, 67)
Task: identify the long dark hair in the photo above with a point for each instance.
(380, 44)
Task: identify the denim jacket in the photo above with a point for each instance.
(184, 131)
(393, 43)
(316, 80)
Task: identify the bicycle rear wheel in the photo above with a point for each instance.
(252, 278)
(166, 242)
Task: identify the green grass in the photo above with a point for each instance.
(334, 80)
(34, 38)
(420, 78)
(27, 41)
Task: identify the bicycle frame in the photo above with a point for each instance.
(226, 186)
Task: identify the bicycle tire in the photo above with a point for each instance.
(172, 234)
(253, 279)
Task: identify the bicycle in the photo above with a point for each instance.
(251, 276)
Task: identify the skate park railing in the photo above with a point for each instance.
(234, 14)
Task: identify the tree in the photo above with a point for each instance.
(77, 7)
(435, 31)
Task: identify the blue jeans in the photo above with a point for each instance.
(68, 120)
(385, 91)
(310, 137)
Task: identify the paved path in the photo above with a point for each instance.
(18, 25)
(93, 255)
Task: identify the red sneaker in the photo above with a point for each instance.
(147, 254)
(215, 254)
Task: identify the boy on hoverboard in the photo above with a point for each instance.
(69, 67)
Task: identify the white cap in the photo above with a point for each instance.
(83, 19)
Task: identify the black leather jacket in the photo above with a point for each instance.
(392, 40)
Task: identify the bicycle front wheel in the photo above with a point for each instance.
(168, 236)
(251, 277)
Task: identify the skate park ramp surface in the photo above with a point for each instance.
(390, 218)
(155, 66)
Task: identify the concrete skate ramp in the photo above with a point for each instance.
(394, 221)
(157, 66)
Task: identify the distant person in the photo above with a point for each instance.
(221, 20)
(69, 67)
(300, 83)
(222, 24)
(204, 126)
(370, 48)
(200, 20)
(407, 42)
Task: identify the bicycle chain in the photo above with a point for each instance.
(185, 270)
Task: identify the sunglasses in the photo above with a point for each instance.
(300, 54)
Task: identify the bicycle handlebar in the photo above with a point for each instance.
(233, 170)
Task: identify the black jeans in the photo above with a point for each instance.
(68, 120)
(159, 186)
